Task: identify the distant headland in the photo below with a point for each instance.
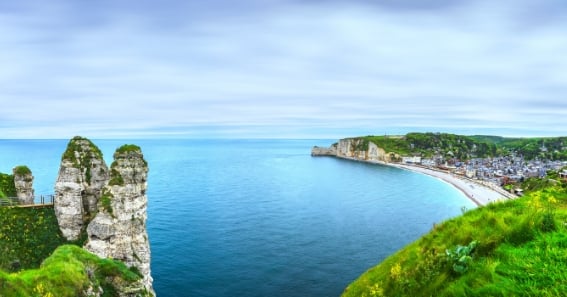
(484, 168)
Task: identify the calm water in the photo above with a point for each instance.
(262, 217)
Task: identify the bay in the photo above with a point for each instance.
(263, 217)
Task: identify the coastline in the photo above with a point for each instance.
(479, 193)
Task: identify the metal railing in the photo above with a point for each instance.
(41, 200)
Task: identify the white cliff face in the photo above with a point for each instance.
(119, 228)
(68, 201)
(322, 151)
(23, 182)
(82, 175)
(357, 148)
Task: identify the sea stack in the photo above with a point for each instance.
(82, 175)
(23, 182)
(118, 230)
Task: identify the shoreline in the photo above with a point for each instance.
(479, 193)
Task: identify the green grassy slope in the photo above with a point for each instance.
(70, 271)
(36, 260)
(521, 251)
(428, 144)
(27, 235)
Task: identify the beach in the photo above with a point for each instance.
(478, 192)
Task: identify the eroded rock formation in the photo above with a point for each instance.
(323, 151)
(23, 182)
(119, 228)
(356, 148)
(82, 175)
(111, 204)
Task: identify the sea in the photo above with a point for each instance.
(236, 217)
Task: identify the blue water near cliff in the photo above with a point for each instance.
(262, 217)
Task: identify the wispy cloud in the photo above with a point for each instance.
(281, 68)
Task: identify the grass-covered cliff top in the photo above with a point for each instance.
(35, 259)
(75, 145)
(513, 248)
(128, 148)
(22, 170)
(464, 147)
(68, 272)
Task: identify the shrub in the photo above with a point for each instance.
(106, 201)
(461, 256)
(115, 177)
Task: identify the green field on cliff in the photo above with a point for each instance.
(512, 248)
(466, 147)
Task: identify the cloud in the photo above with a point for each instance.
(291, 68)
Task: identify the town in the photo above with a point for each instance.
(500, 171)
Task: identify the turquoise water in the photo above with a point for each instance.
(262, 217)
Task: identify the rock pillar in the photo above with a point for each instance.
(23, 182)
(82, 175)
(119, 228)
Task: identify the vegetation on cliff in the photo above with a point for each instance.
(7, 186)
(429, 144)
(550, 148)
(22, 170)
(27, 236)
(81, 156)
(36, 260)
(69, 271)
(513, 248)
(466, 147)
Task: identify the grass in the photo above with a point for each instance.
(124, 149)
(390, 144)
(85, 156)
(106, 201)
(35, 259)
(521, 251)
(115, 176)
(128, 148)
(69, 271)
(7, 186)
(22, 170)
(27, 236)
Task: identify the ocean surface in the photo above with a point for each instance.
(263, 217)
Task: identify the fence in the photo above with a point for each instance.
(41, 200)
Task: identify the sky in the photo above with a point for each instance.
(282, 68)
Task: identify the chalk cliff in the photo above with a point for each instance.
(107, 206)
(82, 175)
(356, 148)
(119, 228)
(322, 151)
(23, 182)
